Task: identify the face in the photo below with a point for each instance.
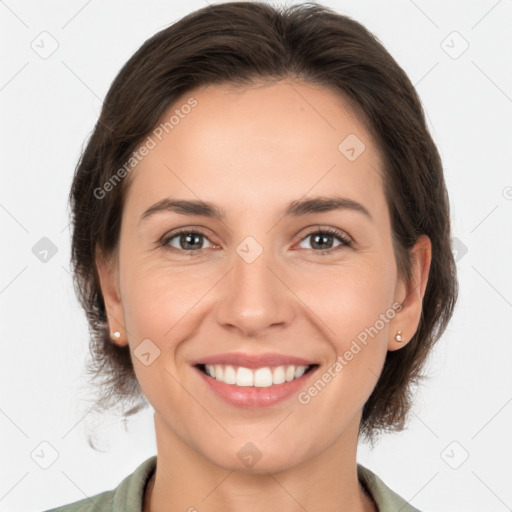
(267, 285)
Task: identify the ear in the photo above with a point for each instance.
(108, 273)
(410, 294)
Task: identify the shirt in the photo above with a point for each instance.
(128, 496)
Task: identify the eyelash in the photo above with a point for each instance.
(340, 235)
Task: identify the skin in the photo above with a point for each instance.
(251, 151)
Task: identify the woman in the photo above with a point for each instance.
(261, 242)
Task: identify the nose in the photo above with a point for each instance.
(255, 296)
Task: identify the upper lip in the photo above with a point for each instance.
(253, 360)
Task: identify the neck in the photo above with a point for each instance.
(185, 480)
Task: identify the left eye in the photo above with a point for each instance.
(322, 239)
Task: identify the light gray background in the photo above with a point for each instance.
(48, 108)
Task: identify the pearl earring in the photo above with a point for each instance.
(115, 335)
(398, 336)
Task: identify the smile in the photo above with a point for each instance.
(259, 377)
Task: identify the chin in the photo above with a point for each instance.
(253, 458)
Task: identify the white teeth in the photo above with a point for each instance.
(244, 377)
(260, 378)
(278, 377)
(219, 372)
(229, 375)
(299, 371)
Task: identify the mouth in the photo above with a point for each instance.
(261, 377)
(254, 380)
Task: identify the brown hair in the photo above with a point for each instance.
(241, 43)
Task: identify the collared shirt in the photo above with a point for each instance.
(128, 496)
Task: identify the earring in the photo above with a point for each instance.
(398, 336)
(115, 335)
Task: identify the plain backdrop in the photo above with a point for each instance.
(58, 61)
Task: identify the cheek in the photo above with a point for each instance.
(157, 298)
(343, 300)
(355, 308)
(159, 315)
(166, 306)
(351, 298)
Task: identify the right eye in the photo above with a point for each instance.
(185, 241)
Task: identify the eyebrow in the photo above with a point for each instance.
(294, 209)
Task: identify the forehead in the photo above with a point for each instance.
(258, 143)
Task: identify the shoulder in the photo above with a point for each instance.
(126, 497)
(102, 501)
(387, 500)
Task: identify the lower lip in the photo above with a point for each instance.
(252, 397)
